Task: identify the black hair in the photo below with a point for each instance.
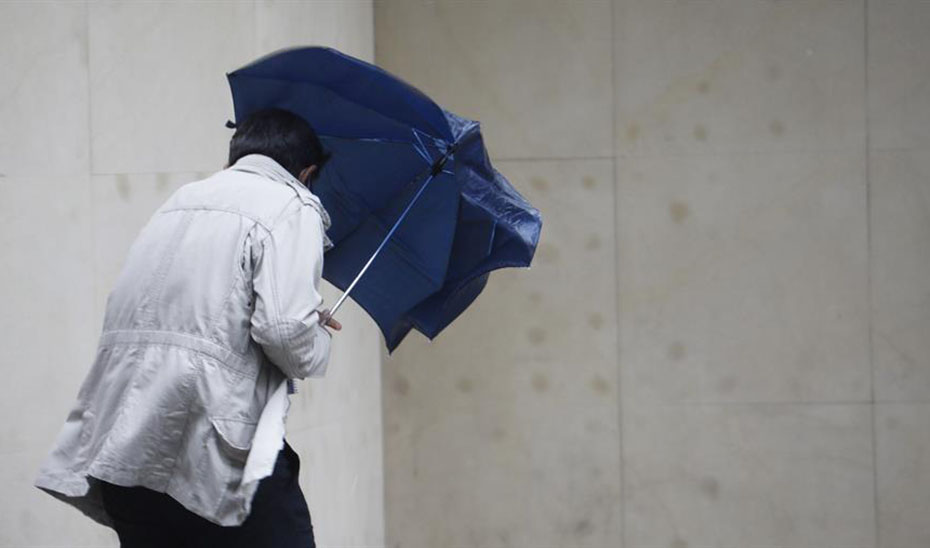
(281, 135)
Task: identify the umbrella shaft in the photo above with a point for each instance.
(383, 242)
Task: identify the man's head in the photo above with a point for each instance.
(284, 137)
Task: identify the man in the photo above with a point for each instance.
(176, 437)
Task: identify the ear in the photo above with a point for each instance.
(307, 173)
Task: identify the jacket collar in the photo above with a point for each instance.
(266, 166)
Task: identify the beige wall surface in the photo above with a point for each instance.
(723, 340)
(107, 107)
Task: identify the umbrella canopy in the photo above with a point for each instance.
(414, 201)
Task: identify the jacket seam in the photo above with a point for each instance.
(182, 443)
(277, 321)
(122, 407)
(161, 272)
(230, 367)
(283, 216)
(238, 212)
(214, 323)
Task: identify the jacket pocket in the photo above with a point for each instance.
(234, 436)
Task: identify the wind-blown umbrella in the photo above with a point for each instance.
(419, 216)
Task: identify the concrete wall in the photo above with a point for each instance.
(106, 109)
(723, 340)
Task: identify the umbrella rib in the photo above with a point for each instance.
(376, 139)
(420, 147)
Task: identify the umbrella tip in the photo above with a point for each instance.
(230, 124)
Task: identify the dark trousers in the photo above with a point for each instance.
(279, 517)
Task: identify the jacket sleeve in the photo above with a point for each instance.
(286, 281)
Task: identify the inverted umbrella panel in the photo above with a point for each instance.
(433, 171)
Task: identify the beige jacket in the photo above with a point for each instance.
(215, 308)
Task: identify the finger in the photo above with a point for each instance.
(334, 324)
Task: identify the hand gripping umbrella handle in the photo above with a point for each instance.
(435, 169)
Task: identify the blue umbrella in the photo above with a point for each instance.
(419, 216)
